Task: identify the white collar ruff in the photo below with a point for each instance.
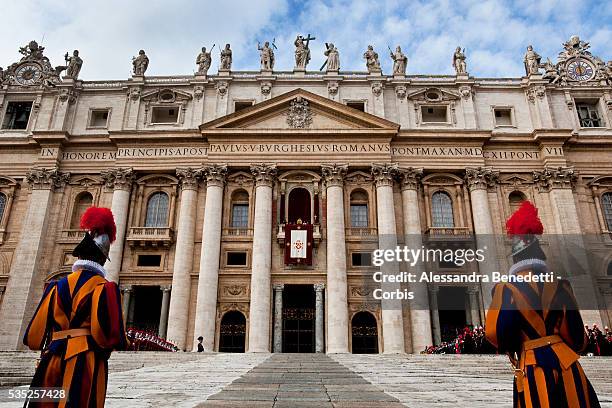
(526, 264)
(90, 266)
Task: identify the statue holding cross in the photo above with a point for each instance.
(302, 52)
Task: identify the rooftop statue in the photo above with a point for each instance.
(266, 56)
(372, 62)
(140, 63)
(74, 64)
(400, 61)
(226, 58)
(204, 60)
(532, 61)
(302, 51)
(333, 58)
(459, 62)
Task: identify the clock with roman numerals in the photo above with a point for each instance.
(580, 70)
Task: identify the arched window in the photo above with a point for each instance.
(157, 210)
(82, 202)
(2, 205)
(240, 209)
(515, 199)
(442, 210)
(359, 209)
(299, 205)
(606, 209)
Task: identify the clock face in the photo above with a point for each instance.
(28, 74)
(580, 70)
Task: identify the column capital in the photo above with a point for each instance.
(46, 179)
(334, 174)
(118, 178)
(384, 173)
(410, 178)
(433, 289)
(481, 177)
(165, 288)
(215, 174)
(278, 287)
(126, 288)
(472, 290)
(265, 174)
(189, 177)
(319, 287)
(555, 177)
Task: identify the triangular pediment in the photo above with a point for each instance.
(300, 111)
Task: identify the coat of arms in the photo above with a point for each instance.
(299, 115)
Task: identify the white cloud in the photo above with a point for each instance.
(494, 32)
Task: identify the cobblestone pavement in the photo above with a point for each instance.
(475, 381)
(301, 380)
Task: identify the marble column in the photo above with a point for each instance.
(337, 302)
(435, 314)
(420, 318)
(392, 313)
(208, 278)
(278, 318)
(126, 297)
(319, 318)
(479, 180)
(474, 310)
(24, 285)
(163, 315)
(573, 262)
(260, 311)
(120, 181)
(178, 308)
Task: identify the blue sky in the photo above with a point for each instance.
(494, 32)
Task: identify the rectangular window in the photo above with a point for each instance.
(359, 215)
(17, 115)
(149, 260)
(164, 114)
(98, 118)
(359, 105)
(434, 114)
(240, 216)
(240, 105)
(588, 114)
(503, 116)
(361, 259)
(236, 258)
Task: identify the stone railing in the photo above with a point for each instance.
(150, 236)
(361, 232)
(238, 232)
(71, 235)
(446, 233)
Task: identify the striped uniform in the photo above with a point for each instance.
(541, 323)
(87, 302)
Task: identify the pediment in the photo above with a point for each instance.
(433, 95)
(299, 111)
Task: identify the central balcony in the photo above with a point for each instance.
(150, 236)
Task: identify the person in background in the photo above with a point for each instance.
(79, 322)
(200, 346)
(539, 325)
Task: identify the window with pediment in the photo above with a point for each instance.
(359, 209)
(240, 209)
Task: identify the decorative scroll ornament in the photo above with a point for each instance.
(119, 178)
(264, 174)
(189, 177)
(34, 68)
(481, 177)
(41, 178)
(410, 178)
(334, 174)
(560, 177)
(299, 115)
(384, 173)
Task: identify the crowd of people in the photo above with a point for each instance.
(143, 340)
(471, 340)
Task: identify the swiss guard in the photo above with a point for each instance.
(539, 325)
(79, 322)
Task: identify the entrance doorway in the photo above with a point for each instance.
(299, 205)
(298, 319)
(451, 311)
(232, 333)
(365, 333)
(146, 303)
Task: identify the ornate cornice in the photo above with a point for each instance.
(264, 174)
(384, 173)
(410, 178)
(555, 177)
(481, 178)
(189, 177)
(215, 174)
(46, 179)
(119, 178)
(334, 174)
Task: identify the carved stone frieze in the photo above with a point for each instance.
(235, 290)
(299, 115)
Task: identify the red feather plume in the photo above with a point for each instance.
(525, 221)
(99, 220)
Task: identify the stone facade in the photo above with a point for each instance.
(199, 172)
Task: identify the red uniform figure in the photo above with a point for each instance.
(539, 326)
(79, 321)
